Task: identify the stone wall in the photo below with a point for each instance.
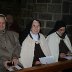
(48, 12)
(10, 7)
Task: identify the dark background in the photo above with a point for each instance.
(47, 11)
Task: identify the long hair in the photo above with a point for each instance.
(57, 26)
(26, 31)
(29, 26)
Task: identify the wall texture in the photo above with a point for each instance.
(48, 12)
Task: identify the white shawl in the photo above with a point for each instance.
(27, 51)
(53, 41)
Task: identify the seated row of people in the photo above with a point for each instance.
(34, 46)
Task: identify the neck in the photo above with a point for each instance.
(33, 33)
(59, 33)
(35, 36)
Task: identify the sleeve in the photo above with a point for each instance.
(17, 47)
(68, 43)
(53, 45)
(44, 45)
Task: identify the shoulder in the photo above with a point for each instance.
(52, 36)
(41, 35)
(13, 33)
(27, 38)
(66, 37)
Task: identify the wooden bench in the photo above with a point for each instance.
(54, 67)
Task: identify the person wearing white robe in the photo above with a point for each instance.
(53, 40)
(28, 45)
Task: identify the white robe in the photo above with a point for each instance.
(53, 41)
(27, 51)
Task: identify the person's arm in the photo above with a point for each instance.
(53, 45)
(68, 43)
(17, 49)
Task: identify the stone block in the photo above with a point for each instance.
(70, 8)
(34, 15)
(38, 7)
(45, 16)
(56, 1)
(43, 1)
(42, 23)
(50, 24)
(24, 22)
(28, 1)
(26, 12)
(54, 8)
(69, 29)
(65, 7)
(56, 17)
(45, 31)
(67, 19)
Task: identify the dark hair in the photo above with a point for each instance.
(26, 31)
(57, 26)
(30, 24)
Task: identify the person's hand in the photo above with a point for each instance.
(62, 55)
(69, 53)
(5, 64)
(37, 62)
(15, 61)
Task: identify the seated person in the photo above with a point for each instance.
(33, 47)
(9, 46)
(58, 42)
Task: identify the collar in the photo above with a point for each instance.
(62, 37)
(35, 37)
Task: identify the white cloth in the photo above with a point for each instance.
(53, 41)
(27, 51)
(34, 36)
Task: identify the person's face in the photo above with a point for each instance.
(61, 30)
(35, 27)
(2, 23)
